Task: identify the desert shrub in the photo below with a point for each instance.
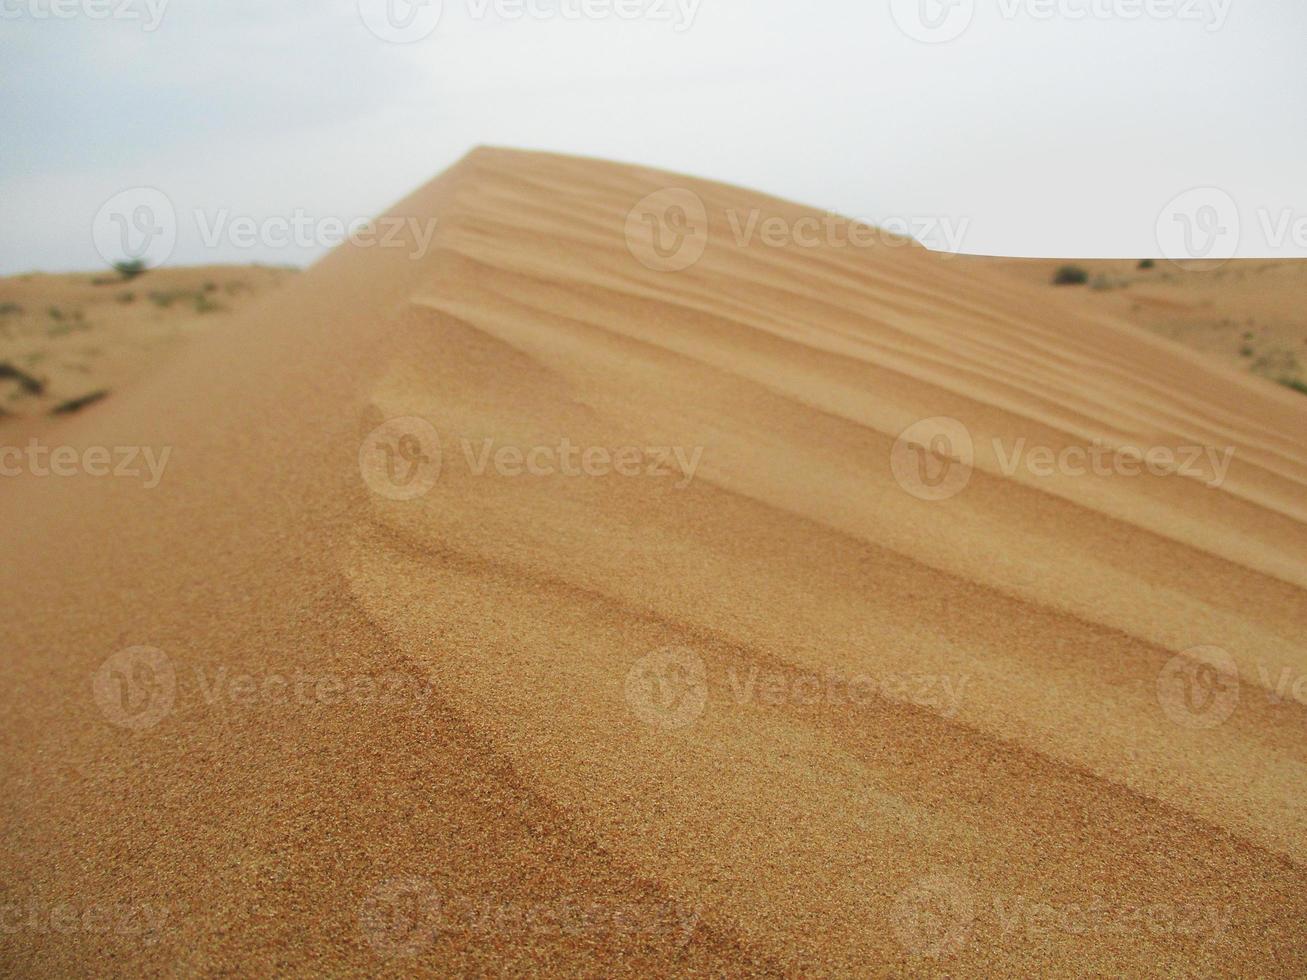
(1295, 384)
(77, 404)
(1146, 263)
(6, 309)
(1245, 351)
(1070, 275)
(130, 269)
(26, 382)
(126, 297)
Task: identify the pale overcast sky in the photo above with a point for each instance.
(1021, 127)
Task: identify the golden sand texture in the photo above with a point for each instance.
(600, 595)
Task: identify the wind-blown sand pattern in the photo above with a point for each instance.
(768, 708)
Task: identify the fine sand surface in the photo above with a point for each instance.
(833, 705)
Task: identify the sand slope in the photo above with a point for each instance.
(785, 717)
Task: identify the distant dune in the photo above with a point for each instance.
(65, 338)
(597, 594)
(1246, 313)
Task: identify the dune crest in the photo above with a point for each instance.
(810, 608)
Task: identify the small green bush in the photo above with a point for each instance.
(1070, 275)
(130, 269)
(1146, 263)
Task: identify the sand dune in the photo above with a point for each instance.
(598, 594)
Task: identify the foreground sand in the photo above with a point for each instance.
(790, 715)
